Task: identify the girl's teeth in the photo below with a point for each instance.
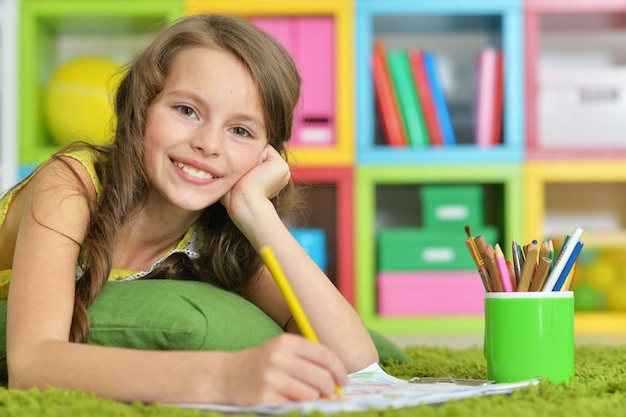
(194, 172)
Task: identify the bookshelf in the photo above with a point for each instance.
(8, 93)
(357, 185)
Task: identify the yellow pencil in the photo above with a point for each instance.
(290, 297)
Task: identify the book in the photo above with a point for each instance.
(373, 389)
(499, 98)
(406, 93)
(488, 101)
(441, 105)
(425, 96)
(385, 96)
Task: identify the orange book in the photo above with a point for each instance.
(425, 96)
(386, 100)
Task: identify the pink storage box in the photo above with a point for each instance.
(430, 293)
(311, 42)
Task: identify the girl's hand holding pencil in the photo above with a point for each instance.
(294, 304)
(533, 267)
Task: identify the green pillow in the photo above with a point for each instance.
(176, 315)
(387, 350)
(181, 315)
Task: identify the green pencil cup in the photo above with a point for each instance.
(529, 335)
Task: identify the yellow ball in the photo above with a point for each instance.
(79, 100)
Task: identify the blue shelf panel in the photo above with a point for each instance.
(381, 154)
(391, 7)
(498, 23)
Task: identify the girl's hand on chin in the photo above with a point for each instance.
(275, 171)
(262, 181)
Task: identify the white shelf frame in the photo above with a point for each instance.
(8, 93)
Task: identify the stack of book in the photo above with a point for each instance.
(412, 105)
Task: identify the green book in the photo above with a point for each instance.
(406, 91)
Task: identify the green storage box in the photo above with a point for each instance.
(420, 249)
(452, 206)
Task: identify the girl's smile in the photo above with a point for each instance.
(195, 173)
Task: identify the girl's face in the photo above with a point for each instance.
(204, 131)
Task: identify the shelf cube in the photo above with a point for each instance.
(456, 31)
(52, 33)
(329, 206)
(502, 209)
(575, 80)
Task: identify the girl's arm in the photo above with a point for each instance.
(335, 322)
(41, 298)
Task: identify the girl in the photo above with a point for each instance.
(192, 186)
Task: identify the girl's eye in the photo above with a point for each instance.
(186, 110)
(240, 131)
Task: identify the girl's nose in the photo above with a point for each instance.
(207, 140)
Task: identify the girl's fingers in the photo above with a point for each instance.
(291, 368)
(313, 365)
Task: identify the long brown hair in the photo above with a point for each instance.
(227, 258)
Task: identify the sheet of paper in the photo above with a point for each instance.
(373, 388)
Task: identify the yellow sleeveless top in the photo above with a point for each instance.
(186, 245)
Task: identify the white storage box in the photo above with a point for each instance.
(582, 108)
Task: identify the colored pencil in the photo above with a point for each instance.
(290, 297)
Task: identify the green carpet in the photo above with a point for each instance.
(597, 389)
